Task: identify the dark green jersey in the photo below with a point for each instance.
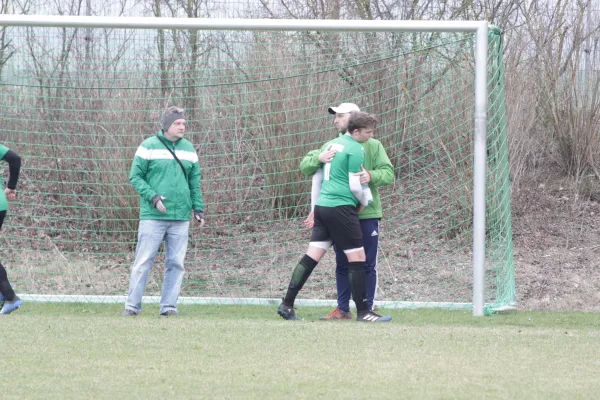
(348, 158)
(376, 162)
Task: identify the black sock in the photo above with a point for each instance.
(299, 277)
(5, 288)
(358, 285)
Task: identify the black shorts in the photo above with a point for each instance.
(338, 224)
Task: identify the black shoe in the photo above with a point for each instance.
(287, 313)
(129, 313)
(371, 316)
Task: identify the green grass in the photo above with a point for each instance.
(84, 351)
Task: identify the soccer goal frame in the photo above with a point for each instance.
(480, 28)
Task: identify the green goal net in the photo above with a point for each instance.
(76, 102)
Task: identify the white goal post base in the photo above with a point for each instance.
(44, 298)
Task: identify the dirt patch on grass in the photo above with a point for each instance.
(556, 237)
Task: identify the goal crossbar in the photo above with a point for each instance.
(241, 24)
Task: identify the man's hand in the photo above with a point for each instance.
(157, 201)
(365, 176)
(309, 222)
(327, 155)
(359, 208)
(11, 194)
(199, 216)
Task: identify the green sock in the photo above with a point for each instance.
(299, 277)
(358, 285)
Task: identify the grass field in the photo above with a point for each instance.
(85, 351)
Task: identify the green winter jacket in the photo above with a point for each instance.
(376, 162)
(155, 171)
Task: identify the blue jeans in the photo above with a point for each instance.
(151, 234)
(370, 231)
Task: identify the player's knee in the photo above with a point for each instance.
(355, 255)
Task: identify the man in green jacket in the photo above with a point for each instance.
(166, 174)
(377, 171)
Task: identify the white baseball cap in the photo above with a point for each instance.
(343, 108)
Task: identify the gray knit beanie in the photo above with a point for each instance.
(171, 115)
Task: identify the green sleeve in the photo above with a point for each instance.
(383, 170)
(310, 163)
(4, 150)
(355, 159)
(194, 178)
(139, 168)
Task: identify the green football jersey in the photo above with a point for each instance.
(3, 202)
(349, 156)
